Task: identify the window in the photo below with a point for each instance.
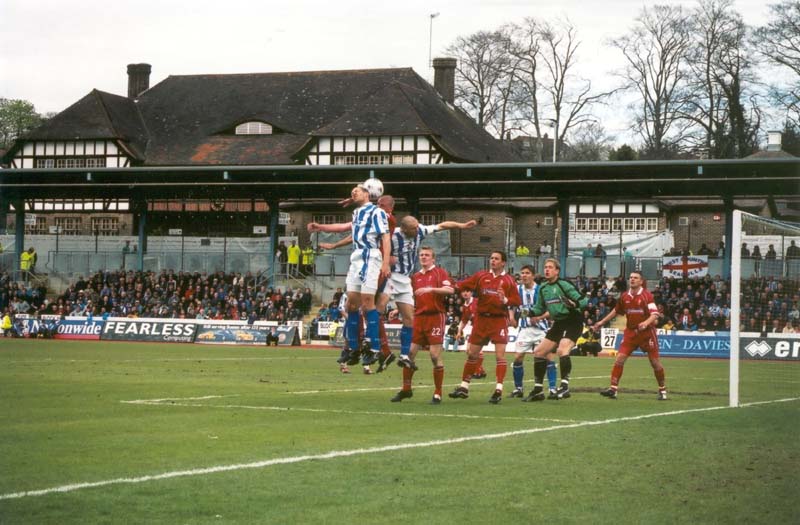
(580, 224)
(592, 224)
(361, 159)
(652, 224)
(39, 228)
(254, 128)
(331, 218)
(72, 162)
(640, 222)
(431, 219)
(69, 225)
(616, 224)
(605, 224)
(105, 225)
(628, 224)
(548, 221)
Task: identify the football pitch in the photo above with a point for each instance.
(148, 433)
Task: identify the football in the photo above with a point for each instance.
(374, 187)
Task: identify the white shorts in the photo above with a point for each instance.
(365, 268)
(528, 338)
(399, 289)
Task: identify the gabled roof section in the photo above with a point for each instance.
(98, 115)
(386, 112)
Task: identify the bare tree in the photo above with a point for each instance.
(655, 50)
(546, 56)
(483, 77)
(779, 43)
(588, 143)
(720, 100)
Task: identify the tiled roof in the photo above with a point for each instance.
(190, 120)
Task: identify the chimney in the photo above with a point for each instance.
(138, 79)
(444, 77)
(773, 140)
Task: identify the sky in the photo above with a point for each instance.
(53, 52)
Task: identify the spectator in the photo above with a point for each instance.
(522, 250)
(771, 253)
(745, 253)
(293, 254)
(793, 252)
(546, 250)
(704, 250)
(721, 249)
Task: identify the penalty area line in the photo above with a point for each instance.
(335, 454)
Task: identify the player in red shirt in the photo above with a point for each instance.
(431, 284)
(496, 292)
(639, 308)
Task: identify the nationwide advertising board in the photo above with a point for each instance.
(155, 330)
(67, 328)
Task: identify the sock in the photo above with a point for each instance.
(408, 373)
(438, 379)
(479, 366)
(519, 373)
(385, 350)
(566, 367)
(469, 369)
(551, 374)
(373, 318)
(660, 378)
(539, 368)
(616, 374)
(500, 372)
(352, 329)
(405, 340)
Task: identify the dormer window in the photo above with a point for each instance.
(254, 128)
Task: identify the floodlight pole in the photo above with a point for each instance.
(430, 41)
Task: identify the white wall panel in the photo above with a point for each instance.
(324, 144)
(324, 160)
(397, 143)
(362, 144)
(374, 143)
(423, 143)
(49, 148)
(338, 144)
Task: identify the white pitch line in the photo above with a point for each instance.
(158, 402)
(161, 401)
(357, 452)
(168, 360)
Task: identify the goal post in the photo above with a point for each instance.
(764, 309)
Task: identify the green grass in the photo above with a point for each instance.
(64, 421)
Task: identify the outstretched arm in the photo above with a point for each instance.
(329, 228)
(452, 225)
(341, 242)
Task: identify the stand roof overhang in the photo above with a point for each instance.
(575, 180)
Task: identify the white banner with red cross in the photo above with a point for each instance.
(685, 266)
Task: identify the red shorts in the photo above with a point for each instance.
(428, 329)
(647, 341)
(485, 329)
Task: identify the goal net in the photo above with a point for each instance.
(765, 320)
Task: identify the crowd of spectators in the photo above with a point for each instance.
(166, 294)
(767, 304)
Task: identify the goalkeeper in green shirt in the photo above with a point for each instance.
(560, 301)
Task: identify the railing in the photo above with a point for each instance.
(83, 263)
(332, 266)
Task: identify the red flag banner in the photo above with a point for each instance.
(685, 266)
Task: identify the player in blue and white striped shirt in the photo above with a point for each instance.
(529, 334)
(369, 231)
(406, 241)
